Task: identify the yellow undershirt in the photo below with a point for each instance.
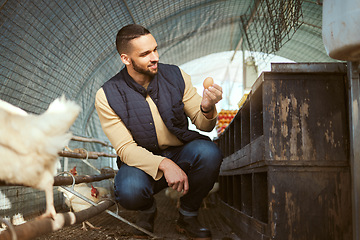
(123, 142)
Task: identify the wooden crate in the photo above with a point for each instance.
(286, 172)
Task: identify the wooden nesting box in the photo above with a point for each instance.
(285, 173)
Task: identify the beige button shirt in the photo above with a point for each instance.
(123, 142)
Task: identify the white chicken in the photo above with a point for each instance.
(29, 145)
(174, 195)
(214, 189)
(77, 204)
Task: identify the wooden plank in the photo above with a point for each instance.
(305, 117)
(236, 160)
(257, 148)
(243, 225)
(310, 204)
(309, 67)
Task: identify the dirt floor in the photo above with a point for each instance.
(113, 229)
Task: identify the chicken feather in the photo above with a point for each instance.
(29, 145)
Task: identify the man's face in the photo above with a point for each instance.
(144, 57)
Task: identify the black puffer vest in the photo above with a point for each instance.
(127, 99)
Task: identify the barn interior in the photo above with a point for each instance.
(287, 124)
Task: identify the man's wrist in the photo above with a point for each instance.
(163, 164)
(204, 110)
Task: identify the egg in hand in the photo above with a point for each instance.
(208, 82)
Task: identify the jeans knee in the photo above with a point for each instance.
(211, 155)
(214, 156)
(133, 193)
(133, 198)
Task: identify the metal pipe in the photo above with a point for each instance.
(130, 13)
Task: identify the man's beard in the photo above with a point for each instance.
(142, 70)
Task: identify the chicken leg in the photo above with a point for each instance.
(89, 224)
(50, 209)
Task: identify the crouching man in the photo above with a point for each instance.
(143, 111)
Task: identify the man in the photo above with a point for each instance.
(143, 111)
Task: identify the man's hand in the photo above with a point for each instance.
(211, 96)
(174, 175)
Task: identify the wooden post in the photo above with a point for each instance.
(354, 118)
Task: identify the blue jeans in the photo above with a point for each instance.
(199, 159)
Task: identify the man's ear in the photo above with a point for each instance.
(125, 59)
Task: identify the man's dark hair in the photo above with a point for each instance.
(126, 34)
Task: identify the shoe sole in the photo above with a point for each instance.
(182, 230)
